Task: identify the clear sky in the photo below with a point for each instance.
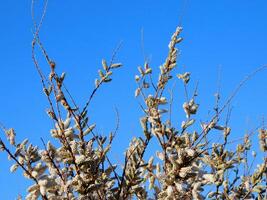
(227, 36)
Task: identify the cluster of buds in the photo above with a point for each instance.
(263, 139)
(190, 108)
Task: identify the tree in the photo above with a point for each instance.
(76, 163)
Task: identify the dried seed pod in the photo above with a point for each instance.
(89, 129)
(188, 123)
(185, 77)
(137, 92)
(148, 71)
(101, 74)
(10, 133)
(178, 40)
(137, 78)
(51, 114)
(97, 82)
(60, 96)
(52, 65)
(142, 73)
(104, 65)
(14, 167)
(115, 65)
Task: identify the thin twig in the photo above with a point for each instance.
(102, 80)
(231, 97)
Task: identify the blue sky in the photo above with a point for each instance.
(227, 36)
